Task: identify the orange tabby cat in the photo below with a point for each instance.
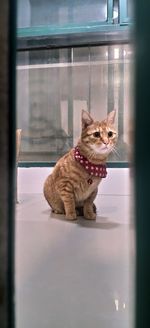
(76, 176)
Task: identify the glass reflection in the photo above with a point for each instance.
(96, 79)
(37, 13)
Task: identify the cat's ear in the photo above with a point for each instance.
(111, 117)
(86, 119)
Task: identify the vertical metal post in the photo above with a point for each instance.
(122, 11)
(70, 97)
(121, 94)
(142, 162)
(7, 160)
(90, 84)
(110, 99)
(110, 11)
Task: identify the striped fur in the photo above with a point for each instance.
(67, 188)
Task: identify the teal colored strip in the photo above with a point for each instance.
(39, 31)
(36, 164)
(52, 164)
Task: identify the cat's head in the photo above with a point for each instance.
(98, 138)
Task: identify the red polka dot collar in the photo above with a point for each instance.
(93, 169)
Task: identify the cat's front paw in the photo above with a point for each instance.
(80, 210)
(71, 216)
(58, 211)
(89, 214)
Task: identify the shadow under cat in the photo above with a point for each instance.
(101, 222)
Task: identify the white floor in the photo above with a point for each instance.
(74, 274)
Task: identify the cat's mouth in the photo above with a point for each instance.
(103, 149)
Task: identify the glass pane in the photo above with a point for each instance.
(115, 11)
(130, 8)
(73, 274)
(58, 12)
(55, 85)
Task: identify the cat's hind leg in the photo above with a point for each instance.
(89, 208)
(67, 196)
(56, 205)
(52, 197)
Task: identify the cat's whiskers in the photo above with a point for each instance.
(114, 151)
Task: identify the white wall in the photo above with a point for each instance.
(31, 180)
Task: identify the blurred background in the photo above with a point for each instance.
(88, 68)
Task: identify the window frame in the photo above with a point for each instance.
(71, 35)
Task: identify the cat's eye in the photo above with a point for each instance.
(110, 134)
(96, 134)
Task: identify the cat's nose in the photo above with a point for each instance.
(106, 141)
